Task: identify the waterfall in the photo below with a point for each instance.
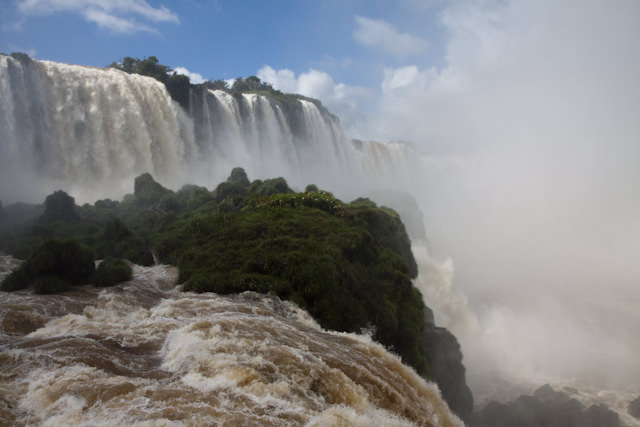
(84, 129)
(268, 138)
(90, 131)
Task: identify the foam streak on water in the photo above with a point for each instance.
(146, 354)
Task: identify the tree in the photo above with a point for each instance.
(177, 85)
(148, 191)
(239, 176)
(60, 206)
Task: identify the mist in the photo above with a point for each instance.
(530, 183)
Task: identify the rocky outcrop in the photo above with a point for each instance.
(634, 408)
(444, 359)
(546, 408)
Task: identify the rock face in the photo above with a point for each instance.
(548, 408)
(444, 358)
(634, 408)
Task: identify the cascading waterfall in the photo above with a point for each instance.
(303, 144)
(90, 131)
(86, 130)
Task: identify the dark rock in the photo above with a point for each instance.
(546, 408)
(634, 408)
(444, 359)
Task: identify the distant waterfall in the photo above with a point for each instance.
(90, 131)
(298, 141)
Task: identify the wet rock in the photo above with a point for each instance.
(446, 369)
(634, 408)
(546, 408)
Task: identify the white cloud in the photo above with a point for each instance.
(284, 80)
(340, 99)
(400, 77)
(196, 78)
(377, 33)
(119, 16)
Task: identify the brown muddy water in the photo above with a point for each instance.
(146, 354)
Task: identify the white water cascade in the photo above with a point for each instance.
(91, 131)
(86, 130)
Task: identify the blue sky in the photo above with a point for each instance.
(221, 39)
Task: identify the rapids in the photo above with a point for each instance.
(144, 353)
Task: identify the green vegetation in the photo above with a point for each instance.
(21, 56)
(349, 264)
(59, 206)
(111, 271)
(52, 267)
(179, 85)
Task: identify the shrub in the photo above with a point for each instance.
(60, 206)
(227, 190)
(269, 187)
(50, 285)
(115, 230)
(111, 271)
(17, 280)
(239, 176)
(148, 191)
(65, 260)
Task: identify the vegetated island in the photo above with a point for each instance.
(349, 265)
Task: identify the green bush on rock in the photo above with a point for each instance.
(52, 267)
(348, 264)
(111, 271)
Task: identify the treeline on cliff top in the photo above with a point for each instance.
(179, 85)
(348, 264)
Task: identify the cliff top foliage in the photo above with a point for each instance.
(178, 85)
(349, 264)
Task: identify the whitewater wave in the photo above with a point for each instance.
(144, 353)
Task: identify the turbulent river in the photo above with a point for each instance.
(144, 353)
